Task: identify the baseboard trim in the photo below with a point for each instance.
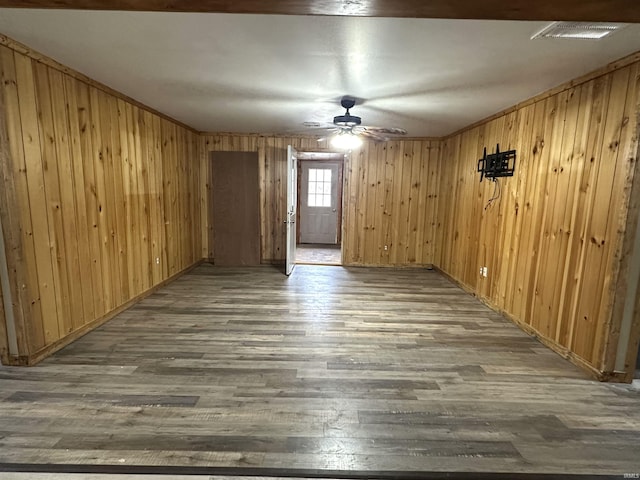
(547, 342)
(48, 350)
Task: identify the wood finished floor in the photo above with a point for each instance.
(332, 368)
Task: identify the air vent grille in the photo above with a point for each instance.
(581, 30)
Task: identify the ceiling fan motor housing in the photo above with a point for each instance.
(347, 120)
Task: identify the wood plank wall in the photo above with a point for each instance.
(390, 200)
(390, 194)
(552, 241)
(101, 201)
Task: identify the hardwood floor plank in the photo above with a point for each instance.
(331, 369)
(127, 400)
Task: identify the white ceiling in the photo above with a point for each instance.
(271, 73)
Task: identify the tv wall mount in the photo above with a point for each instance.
(498, 164)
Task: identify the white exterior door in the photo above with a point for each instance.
(290, 220)
(319, 202)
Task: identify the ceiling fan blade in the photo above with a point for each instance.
(320, 126)
(383, 130)
(324, 130)
(372, 135)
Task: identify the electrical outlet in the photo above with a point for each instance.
(157, 260)
(386, 247)
(481, 271)
(484, 271)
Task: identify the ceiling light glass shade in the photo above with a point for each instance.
(346, 141)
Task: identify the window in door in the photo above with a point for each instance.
(319, 187)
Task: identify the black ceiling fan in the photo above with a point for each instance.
(352, 124)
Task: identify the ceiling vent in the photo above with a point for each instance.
(581, 30)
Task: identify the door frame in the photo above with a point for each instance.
(342, 159)
(291, 215)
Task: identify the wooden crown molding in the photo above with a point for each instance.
(584, 10)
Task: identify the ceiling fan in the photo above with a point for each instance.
(347, 128)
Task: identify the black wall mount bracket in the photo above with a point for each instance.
(498, 164)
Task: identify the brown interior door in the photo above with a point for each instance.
(234, 212)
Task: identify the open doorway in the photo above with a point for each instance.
(319, 222)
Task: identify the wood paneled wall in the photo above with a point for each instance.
(390, 201)
(552, 241)
(101, 201)
(389, 197)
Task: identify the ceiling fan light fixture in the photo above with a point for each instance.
(346, 141)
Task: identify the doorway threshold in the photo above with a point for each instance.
(318, 254)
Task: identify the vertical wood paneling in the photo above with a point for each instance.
(521, 210)
(101, 189)
(416, 177)
(70, 216)
(397, 219)
(97, 185)
(601, 240)
(580, 209)
(552, 242)
(351, 221)
(530, 158)
(376, 219)
(131, 230)
(16, 223)
(390, 192)
(541, 312)
(626, 161)
(623, 258)
(83, 229)
(54, 325)
(10, 245)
